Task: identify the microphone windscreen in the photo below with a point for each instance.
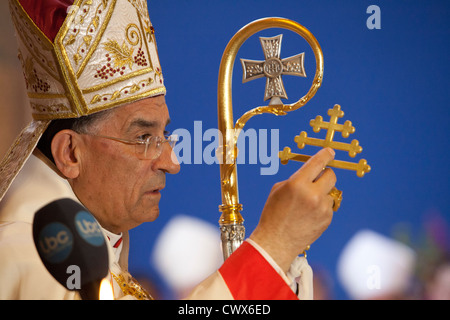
(71, 246)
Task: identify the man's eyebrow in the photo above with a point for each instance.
(142, 123)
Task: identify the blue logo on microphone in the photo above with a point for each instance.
(55, 242)
(89, 229)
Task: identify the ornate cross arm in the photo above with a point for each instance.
(346, 129)
(353, 148)
(273, 67)
(361, 167)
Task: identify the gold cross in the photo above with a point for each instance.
(346, 129)
(273, 68)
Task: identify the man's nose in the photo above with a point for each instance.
(167, 160)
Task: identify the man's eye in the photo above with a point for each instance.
(144, 137)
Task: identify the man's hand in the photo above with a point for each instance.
(297, 210)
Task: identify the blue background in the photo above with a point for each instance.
(392, 83)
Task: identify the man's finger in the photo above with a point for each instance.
(314, 166)
(327, 180)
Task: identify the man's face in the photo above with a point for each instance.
(121, 190)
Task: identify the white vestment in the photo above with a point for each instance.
(24, 276)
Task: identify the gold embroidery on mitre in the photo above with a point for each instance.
(104, 55)
(39, 64)
(141, 7)
(33, 81)
(110, 53)
(38, 45)
(87, 28)
(125, 90)
(122, 55)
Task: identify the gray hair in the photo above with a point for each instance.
(85, 124)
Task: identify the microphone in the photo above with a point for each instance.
(71, 246)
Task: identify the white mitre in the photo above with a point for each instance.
(372, 266)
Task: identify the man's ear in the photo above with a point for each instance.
(65, 151)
